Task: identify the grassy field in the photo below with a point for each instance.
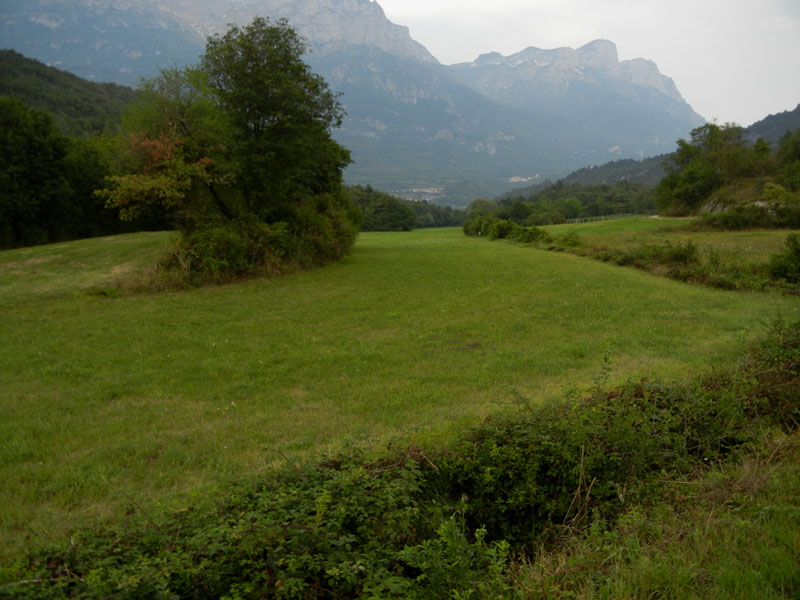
(109, 400)
(734, 533)
(741, 248)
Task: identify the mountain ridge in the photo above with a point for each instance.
(412, 122)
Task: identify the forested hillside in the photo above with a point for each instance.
(79, 107)
(717, 171)
(774, 127)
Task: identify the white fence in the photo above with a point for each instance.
(602, 218)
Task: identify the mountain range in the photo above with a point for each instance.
(415, 127)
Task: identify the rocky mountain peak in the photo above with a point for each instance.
(473, 128)
(552, 70)
(328, 24)
(599, 54)
(334, 24)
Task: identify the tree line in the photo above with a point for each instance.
(717, 173)
(236, 154)
(383, 212)
(559, 202)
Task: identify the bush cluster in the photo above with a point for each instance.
(439, 524)
(786, 265)
(502, 229)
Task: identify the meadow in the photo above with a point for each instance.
(682, 249)
(112, 398)
(743, 247)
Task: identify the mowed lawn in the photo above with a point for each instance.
(108, 401)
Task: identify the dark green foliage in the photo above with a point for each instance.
(501, 229)
(430, 525)
(478, 226)
(738, 217)
(217, 252)
(530, 475)
(47, 182)
(79, 107)
(433, 215)
(699, 166)
(382, 211)
(789, 159)
(786, 265)
(280, 115)
(343, 528)
(32, 181)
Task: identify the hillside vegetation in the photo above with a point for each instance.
(79, 107)
(774, 127)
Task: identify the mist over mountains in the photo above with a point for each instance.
(415, 127)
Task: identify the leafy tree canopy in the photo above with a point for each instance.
(241, 142)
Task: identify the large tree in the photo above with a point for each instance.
(239, 148)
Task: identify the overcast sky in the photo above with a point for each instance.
(732, 60)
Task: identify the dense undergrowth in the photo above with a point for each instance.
(684, 261)
(439, 523)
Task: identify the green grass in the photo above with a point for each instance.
(744, 247)
(91, 266)
(738, 260)
(108, 400)
(732, 534)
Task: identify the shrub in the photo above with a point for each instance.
(501, 229)
(569, 239)
(217, 253)
(478, 226)
(786, 265)
(531, 235)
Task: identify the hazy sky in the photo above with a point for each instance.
(733, 60)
